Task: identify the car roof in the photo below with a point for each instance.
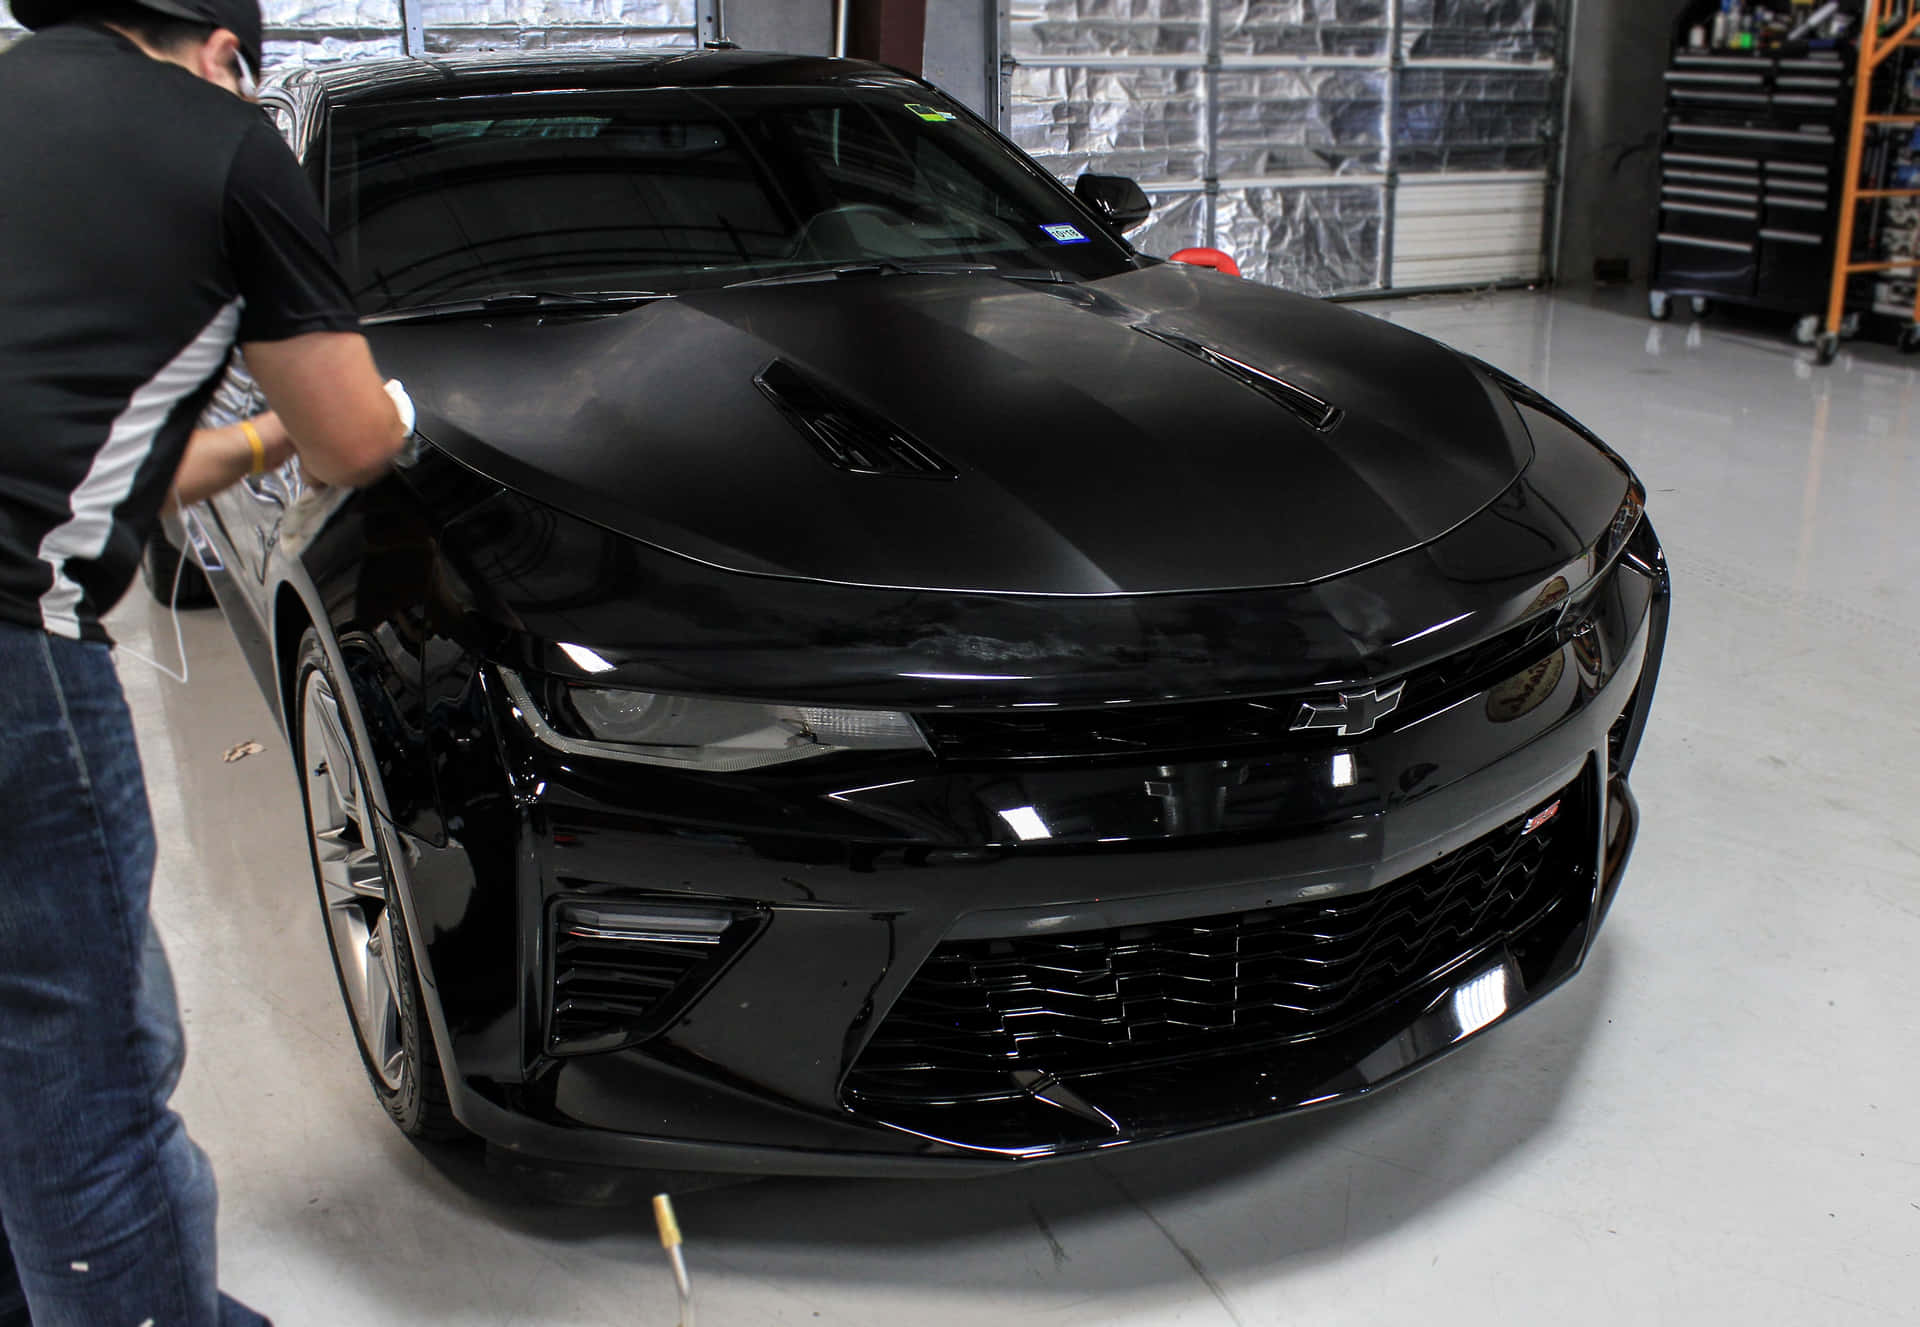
(466, 75)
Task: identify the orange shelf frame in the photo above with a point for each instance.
(1899, 38)
(1874, 49)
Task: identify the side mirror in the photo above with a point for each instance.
(1115, 199)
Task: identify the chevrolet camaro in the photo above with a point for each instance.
(861, 671)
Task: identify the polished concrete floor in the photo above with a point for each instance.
(1719, 1122)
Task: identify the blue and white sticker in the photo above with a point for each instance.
(1065, 234)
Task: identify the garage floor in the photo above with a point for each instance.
(1715, 1124)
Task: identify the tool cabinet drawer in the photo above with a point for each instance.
(1695, 262)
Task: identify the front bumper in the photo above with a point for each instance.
(855, 878)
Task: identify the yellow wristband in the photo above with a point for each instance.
(259, 447)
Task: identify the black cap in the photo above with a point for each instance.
(240, 17)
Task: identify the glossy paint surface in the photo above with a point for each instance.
(1091, 459)
(1705, 1126)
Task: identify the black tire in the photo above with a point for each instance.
(1826, 348)
(417, 1103)
(161, 562)
(1659, 305)
(1699, 306)
(1910, 340)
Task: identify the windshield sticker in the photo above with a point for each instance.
(931, 114)
(1064, 234)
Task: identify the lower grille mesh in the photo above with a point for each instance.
(1102, 1001)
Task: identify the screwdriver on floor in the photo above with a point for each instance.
(669, 1225)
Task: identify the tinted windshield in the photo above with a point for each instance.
(674, 190)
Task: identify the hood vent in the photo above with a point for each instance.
(1310, 408)
(850, 436)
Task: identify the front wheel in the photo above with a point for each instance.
(359, 903)
(1659, 305)
(1826, 348)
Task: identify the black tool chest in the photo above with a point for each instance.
(1750, 178)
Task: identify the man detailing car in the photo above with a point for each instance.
(150, 220)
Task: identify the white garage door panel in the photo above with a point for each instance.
(1453, 232)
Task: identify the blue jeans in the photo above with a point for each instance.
(106, 1206)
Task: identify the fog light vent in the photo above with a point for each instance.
(622, 969)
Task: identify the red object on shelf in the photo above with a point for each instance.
(1214, 258)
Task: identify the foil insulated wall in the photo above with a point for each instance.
(1179, 221)
(1475, 119)
(536, 25)
(1300, 121)
(1278, 129)
(1525, 30)
(305, 31)
(1303, 29)
(1315, 240)
(1147, 121)
(1155, 28)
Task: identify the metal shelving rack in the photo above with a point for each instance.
(1875, 48)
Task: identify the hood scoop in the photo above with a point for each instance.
(849, 436)
(1321, 415)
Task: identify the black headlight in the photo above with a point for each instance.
(1620, 530)
(692, 732)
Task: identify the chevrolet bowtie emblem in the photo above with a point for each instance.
(1356, 712)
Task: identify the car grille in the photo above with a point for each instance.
(1214, 726)
(1099, 1002)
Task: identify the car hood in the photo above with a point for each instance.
(1113, 437)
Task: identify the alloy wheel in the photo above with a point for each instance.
(355, 887)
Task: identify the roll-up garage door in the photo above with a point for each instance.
(1331, 146)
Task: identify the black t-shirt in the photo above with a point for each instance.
(149, 220)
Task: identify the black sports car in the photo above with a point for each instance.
(866, 673)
